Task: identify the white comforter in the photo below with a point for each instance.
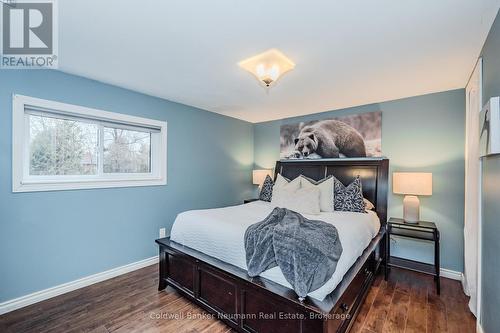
(220, 233)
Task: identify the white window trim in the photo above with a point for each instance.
(20, 160)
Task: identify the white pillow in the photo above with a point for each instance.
(283, 183)
(302, 200)
(325, 187)
(368, 204)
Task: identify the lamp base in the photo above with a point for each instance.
(411, 209)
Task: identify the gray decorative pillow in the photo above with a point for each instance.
(266, 192)
(349, 198)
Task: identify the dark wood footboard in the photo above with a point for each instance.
(259, 305)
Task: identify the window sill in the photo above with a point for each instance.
(39, 186)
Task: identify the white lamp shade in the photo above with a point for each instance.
(413, 183)
(258, 176)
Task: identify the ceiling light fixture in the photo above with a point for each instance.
(268, 66)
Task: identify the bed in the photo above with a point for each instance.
(204, 258)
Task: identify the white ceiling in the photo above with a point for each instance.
(346, 52)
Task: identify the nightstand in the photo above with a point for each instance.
(422, 230)
(249, 200)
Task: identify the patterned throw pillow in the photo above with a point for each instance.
(350, 198)
(266, 193)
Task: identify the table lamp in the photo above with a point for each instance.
(412, 184)
(258, 176)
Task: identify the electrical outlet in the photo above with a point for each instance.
(162, 233)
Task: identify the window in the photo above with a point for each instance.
(59, 146)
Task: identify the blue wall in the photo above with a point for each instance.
(64, 235)
(490, 306)
(424, 133)
(48, 238)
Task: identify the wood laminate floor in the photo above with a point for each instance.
(131, 303)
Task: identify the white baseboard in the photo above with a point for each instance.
(454, 275)
(42, 295)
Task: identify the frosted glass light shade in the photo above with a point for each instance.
(268, 66)
(413, 183)
(258, 176)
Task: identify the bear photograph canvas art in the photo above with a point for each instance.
(351, 136)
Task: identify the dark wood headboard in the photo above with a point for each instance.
(373, 173)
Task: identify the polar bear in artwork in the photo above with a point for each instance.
(329, 139)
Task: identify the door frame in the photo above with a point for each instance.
(479, 67)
